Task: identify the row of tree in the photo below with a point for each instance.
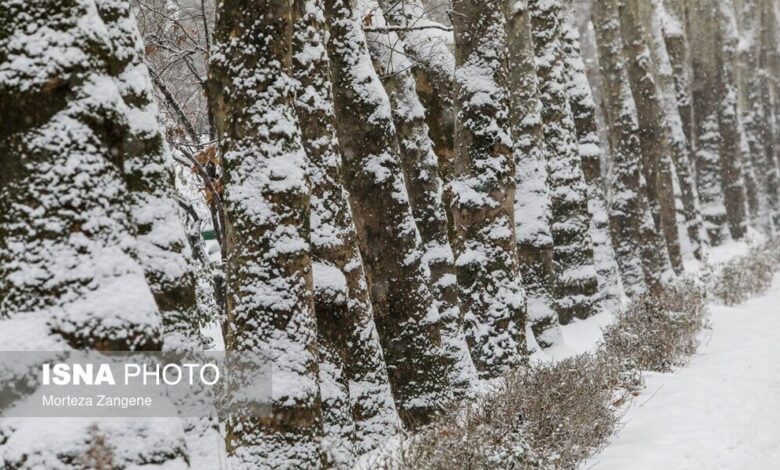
(393, 216)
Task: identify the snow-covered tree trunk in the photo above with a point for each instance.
(405, 312)
(654, 131)
(640, 249)
(78, 130)
(162, 247)
(583, 110)
(353, 377)
(768, 96)
(433, 66)
(421, 174)
(576, 283)
(482, 191)
(266, 200)
(675, 98)
(734, 177)
(703, 37)
(755, 110)
(532, 196)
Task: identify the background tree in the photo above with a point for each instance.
(358, 408)
(576, 284)
(583, 110)
(421, 175)
(704, 44)
(640, 249)
(532, 197)
(405, 313)
(482, 192)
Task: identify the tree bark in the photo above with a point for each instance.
(266, 200)
(481, 194)
(358, 409)
(654, 134)
(673, 83)
(706, 109)
(734, 176)
(583, 110)
(640, 249)
(532, 196)
(576, 284)
(421, 175)
(407, 319)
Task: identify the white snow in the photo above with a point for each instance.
(721, 411)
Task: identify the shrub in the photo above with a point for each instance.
(745, 276)
(657, 331)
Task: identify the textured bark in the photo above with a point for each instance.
(532, 196)
(421, 175)
(481, 194)
(576, 284)
(767, 58)
(654, 131)
(162, 247)
(641, 251)
(358, 409)
(734, 178)
(704, 43)
(756, 110)
(266, 200)
(404, 310)
(672, 81)
(73, 139)
(433, 66)
(583, 110)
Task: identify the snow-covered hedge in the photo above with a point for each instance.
(745, 276)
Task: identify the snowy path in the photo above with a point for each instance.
(721, 411)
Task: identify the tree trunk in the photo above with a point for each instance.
(433, 66)
(706, 108)
(71, 273)
(404, 311)
(640, 249)
(266, 200)
(734, 178)
(654, 132)
(672, 78)
(356, 398)
(755, 110)
(583, 110)
(767, 58)
(576, 284)
(481, 194)
(421, 174)
(532, 196)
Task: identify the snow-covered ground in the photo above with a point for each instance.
(721, 411)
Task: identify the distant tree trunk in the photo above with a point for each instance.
(767, 57)
(583, 110)
(706, 108)
(675, 99)
(654, 131)
(404, 310)
(532, 197)
(576, 284)
(433, 66)
(733, 175)
(73, 272)
(755, 107)
(421, 174)
(482, 192)
(356, 398)
(268, 268)
(640, 249)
